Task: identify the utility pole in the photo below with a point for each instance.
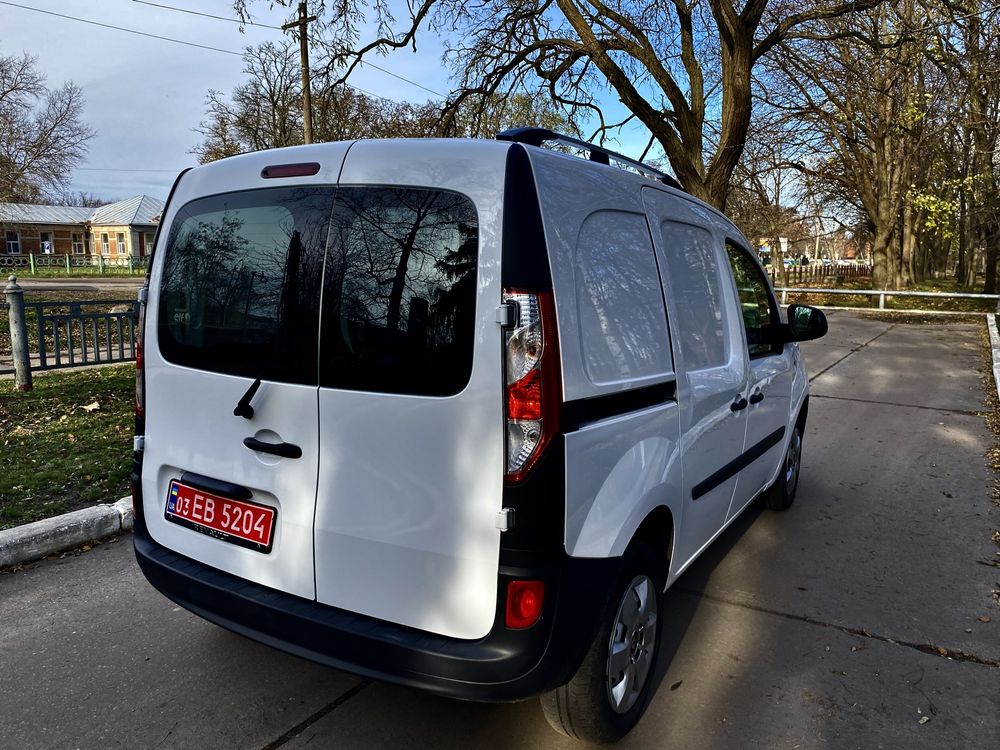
(303, 22)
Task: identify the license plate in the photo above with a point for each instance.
(235, 521)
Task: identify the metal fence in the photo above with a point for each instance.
(843, 270)
(33, 262)
(883, 293)
(71, 334)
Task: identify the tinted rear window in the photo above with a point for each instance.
(243, 272)
(400, 294)
(241, 283)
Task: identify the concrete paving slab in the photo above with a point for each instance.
(930, 365)
(737, 679)
(94, 657)
(846, 333)
(891, 524)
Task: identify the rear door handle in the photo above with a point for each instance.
(739, 404)
(285, 450)
(757, 397)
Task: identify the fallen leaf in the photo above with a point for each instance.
(942, 650)
(923, 719)
(676, 685)
(91, 407)
(984, 618)
(87, 548)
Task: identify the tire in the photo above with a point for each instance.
(781, 494)
(588, 707)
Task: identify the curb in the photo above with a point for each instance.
(33, 541)
(991, 323)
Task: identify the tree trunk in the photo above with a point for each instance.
(883, 260)
(908, 247)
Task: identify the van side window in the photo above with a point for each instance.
(623, 326)
(399, 293)
(241, 278)
(759, 311)
(696, 287)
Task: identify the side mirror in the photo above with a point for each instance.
(805, 323)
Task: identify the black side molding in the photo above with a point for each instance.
(737, 465)
(581, 411)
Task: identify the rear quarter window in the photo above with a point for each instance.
(623, 324)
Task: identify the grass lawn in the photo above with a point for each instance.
(55, 455)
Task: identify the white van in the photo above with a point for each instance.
(453, 414)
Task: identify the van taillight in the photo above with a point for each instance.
(531, 364)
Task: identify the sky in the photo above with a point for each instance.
(145, 96)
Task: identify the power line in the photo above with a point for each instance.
(279, 28)
(113, 169)
(121, 28)
(178, 41)
(407, 80)
(208, 15)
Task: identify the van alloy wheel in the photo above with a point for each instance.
(793, 460)
(781, 494)
(617, 678)
(632, 644)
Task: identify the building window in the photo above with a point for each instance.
(77, 243)
(105, 244)
(120, 237)
(147, 239)
(13, 243)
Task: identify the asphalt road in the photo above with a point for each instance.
(819, 627)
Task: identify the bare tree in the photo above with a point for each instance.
(863, 93)
(41, 135)
(265, 111)
(674, 64)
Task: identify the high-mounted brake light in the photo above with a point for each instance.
(290, 170)
(531, 380)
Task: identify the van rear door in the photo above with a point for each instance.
(232, 326)
(410, 401)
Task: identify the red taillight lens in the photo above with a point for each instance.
(525, 600)
(531, 367)
(524, 398)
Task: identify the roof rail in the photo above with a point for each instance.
(534, 136)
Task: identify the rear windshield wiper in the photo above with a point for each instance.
(243, 408)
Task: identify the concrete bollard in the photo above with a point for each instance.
(18, 335)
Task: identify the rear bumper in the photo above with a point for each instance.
(505, 665)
